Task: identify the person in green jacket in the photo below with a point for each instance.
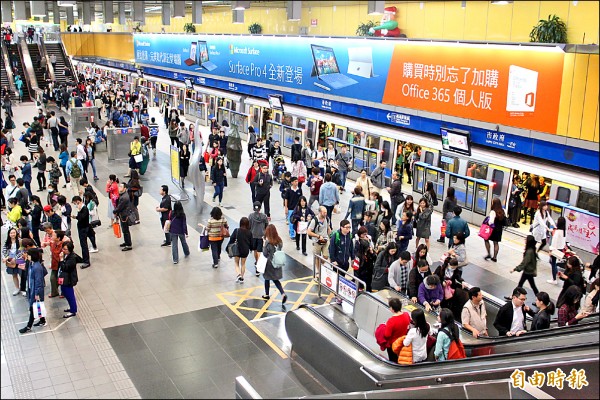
(528, 265)
(19, 86)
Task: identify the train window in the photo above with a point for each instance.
(372, 161)
(418, 179)
(477, 170)
(588, 201)
(448, 163)
(359, 160)
(429, 157)
(310, 130)
(288, 137)
(288, 120)
(339, 133)
(498, 179)
(461, 191)
(481, 199)
(278, 117)
(563, 194)
(437, 179)
(300, 123)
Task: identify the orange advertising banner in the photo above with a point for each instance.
(516, 86)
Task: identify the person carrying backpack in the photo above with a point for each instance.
(448, 345)
(74, 171)
(273, 252)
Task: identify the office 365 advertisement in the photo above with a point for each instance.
(511, 85)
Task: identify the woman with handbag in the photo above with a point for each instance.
(273, 243)
(134, 190)
(301, 217)
(135, 155)
(423, 221)
(112, 189)
(556, 248)
(178, 231)
(218, 177)
(10, 252)
(67, 278)
(35, 287)
(497, 221)
(447, 212)
(217, 231)
(542, 225)
(528, 265)
(239, 247)
(299, 171)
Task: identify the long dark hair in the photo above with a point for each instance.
(530, 245)
(450, 194)
(447, 320)
(497, 208)
(178, 211)
(572, 296)
(8, 242)
(561, 223)
(272, 235)
(429, 189)
(545, 298)
(418, 319)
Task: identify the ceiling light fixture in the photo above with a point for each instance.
(240, 5)
(501, 3)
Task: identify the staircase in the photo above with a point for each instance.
(4, 82)
(34, 53)
(61, 63)
(13, 49)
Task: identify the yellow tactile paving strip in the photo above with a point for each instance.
(241, 303)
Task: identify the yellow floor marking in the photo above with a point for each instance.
(254, 328)
(266, 311)
(303, 295)
(244, 297)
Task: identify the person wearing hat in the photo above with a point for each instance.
(258, 224)
(53, 218)
(263, 181)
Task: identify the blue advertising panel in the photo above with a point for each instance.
(349, 68)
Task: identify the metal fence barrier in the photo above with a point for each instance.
(336, 280)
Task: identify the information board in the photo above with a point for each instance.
(329, 278)
(175, 164)
(347, 290)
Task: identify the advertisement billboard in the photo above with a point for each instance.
(517, 86)
(582, 229)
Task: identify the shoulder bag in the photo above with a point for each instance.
(224, 230)
(167, 226)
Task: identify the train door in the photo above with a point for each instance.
(564, 192)
(311, 130)
(501, 178)
(340, 133)
(212, 105)
(588, 200)
(228, 103)
(387, 147)
(255, 117)
(429, 156)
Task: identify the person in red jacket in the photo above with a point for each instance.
(396, 326)
(144, 131)
(252, 171)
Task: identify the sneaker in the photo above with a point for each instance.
(238, 279)
(241, 280)
(68, 310)
(175, 262)
(84, 266)
(487, 257)
(96, 178)
(215, 266)
(304, 253)
(69, 315)
(40, 323)
(552, 281)
(494, 259)
(93, 250)
(265, 297)
(165, 244)
(23, 293)
(441, 240)
(126, 248)
(298, 248)
(25, 330)
(16, 292)
(284, 299)
(269, 219)
(122, 245)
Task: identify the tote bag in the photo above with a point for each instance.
(485, 231)
(261, 264)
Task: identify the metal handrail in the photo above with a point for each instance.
(67, 59)
(244, 390)
(44, 53)
(30, 80)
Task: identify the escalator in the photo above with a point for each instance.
(350, 365)
(62, 63)
(16, 60)
(5, 80)
(34, 53)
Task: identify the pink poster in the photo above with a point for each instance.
(582, 230)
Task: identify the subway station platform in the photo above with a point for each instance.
(149, 329)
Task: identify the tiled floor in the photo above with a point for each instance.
(148, 328)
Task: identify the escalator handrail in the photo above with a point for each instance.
(67, 60)
(44, 53)
(507, 339)
(26, 79)
(377, 357)
(8, 68)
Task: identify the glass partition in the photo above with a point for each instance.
(418, 178)
(448, 163)
(481, 205)
(288, 136)
(463, 190)
(359, 159)
(274, 130)
(372, 161)
(437, 178)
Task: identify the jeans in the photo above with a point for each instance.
(69, 293)
(253, 191)
(291, 225)
(126, 233)
(219, 191)
(329, 213)
(54, 138)
(64, 170)
(175, 237)
(153, 140)
(162, 225)
(28, 187)
(343, 176)
(92, 162)
(215, 249)
(529, 278)
(553, 263)
(265, 199)
(32, 318)
(23, 281)
(277, 283)
(41, 179)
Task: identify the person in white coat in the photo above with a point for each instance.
(558, 243)
(542, 225)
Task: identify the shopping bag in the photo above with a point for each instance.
(203, 244)
(39, 309)
(485, 231)
(356, 263)
(138, 158)
(167, 227)
(117, 230)
(302, 227)
(261, 264)
(448, 291)
(559, 255)
(443, 229)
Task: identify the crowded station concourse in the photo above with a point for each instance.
(156, 251)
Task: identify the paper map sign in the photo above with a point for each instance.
(347, 290)
(582, 230)
(329, 278)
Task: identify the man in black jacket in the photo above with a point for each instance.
(510, 320)
(84, 231)
(164, 208)
(122, 210)
(396, 195)
(415, 277)
(263, 181)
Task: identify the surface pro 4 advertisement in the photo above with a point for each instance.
(360, 62)
(328, 70)
(192, 59)
(522, 89)
(204, 58)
